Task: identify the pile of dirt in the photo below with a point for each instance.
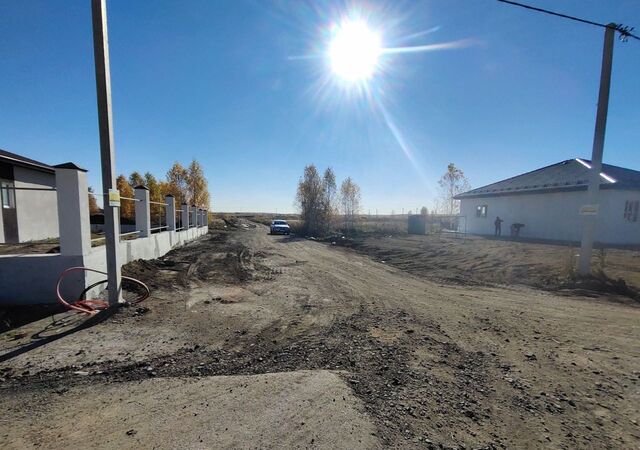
(486, 262)
(214, 257)
(31, 248)
(598, 283)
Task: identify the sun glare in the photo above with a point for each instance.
(354, 51)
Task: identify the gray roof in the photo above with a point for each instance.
(18, 160)
(569, 175)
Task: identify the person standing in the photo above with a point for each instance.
(498, 225)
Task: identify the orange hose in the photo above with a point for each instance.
(91, 306)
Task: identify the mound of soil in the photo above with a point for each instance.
(214, 257)
(484, 262)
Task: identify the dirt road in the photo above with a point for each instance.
(416, 363)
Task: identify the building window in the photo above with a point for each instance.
(631, 210)
(8, 194)
(481, 211)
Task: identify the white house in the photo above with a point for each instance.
(29, 202)
(547, 202)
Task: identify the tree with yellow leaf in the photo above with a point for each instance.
(127, 207)
(197, 186)
(176, 184)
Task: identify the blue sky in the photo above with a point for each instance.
(219, 81)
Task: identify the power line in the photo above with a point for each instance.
(625, 32)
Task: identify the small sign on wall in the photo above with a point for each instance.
(589, 210)
(114, 197)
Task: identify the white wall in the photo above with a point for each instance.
(612, 227)
(555, 216)
(31, 279)
(37, 211)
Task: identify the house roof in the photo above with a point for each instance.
(569, 175)
(18, 160)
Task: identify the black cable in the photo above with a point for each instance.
(625, 32)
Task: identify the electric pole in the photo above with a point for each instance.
(589, 223)
(107, 149)
(591, 209)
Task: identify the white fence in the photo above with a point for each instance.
(31, 279)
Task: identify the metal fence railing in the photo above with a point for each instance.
(158, 211)
(179, 224)
(41, 233)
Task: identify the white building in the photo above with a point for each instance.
(29, 202)
(547, 202)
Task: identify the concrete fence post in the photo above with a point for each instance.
(206, 217)
(72, 192)
(194, 216)
(185, 216)
(170, 211)
(143, 211)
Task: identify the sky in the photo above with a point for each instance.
(245, 88)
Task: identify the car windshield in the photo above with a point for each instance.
(279, 222)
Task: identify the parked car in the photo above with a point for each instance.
(279, 227)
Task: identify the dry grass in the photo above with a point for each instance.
(382, 224)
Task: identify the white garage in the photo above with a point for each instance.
(546, 203)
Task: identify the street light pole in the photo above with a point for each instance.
(107, 150)
(589, 223)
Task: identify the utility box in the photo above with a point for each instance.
(417, 224)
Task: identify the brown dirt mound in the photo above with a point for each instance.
(214, 257)
(486, 262)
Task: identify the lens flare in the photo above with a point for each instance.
(358, 60)
(354, 51)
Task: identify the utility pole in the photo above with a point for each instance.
(591, 209)
(589, 223)
(107, 150)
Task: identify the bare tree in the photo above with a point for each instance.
(424, 211)
(452, 183)
(349, 202)
(310, 199)
(330, 198)
(318, 202)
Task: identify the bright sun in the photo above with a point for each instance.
(354, 51)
